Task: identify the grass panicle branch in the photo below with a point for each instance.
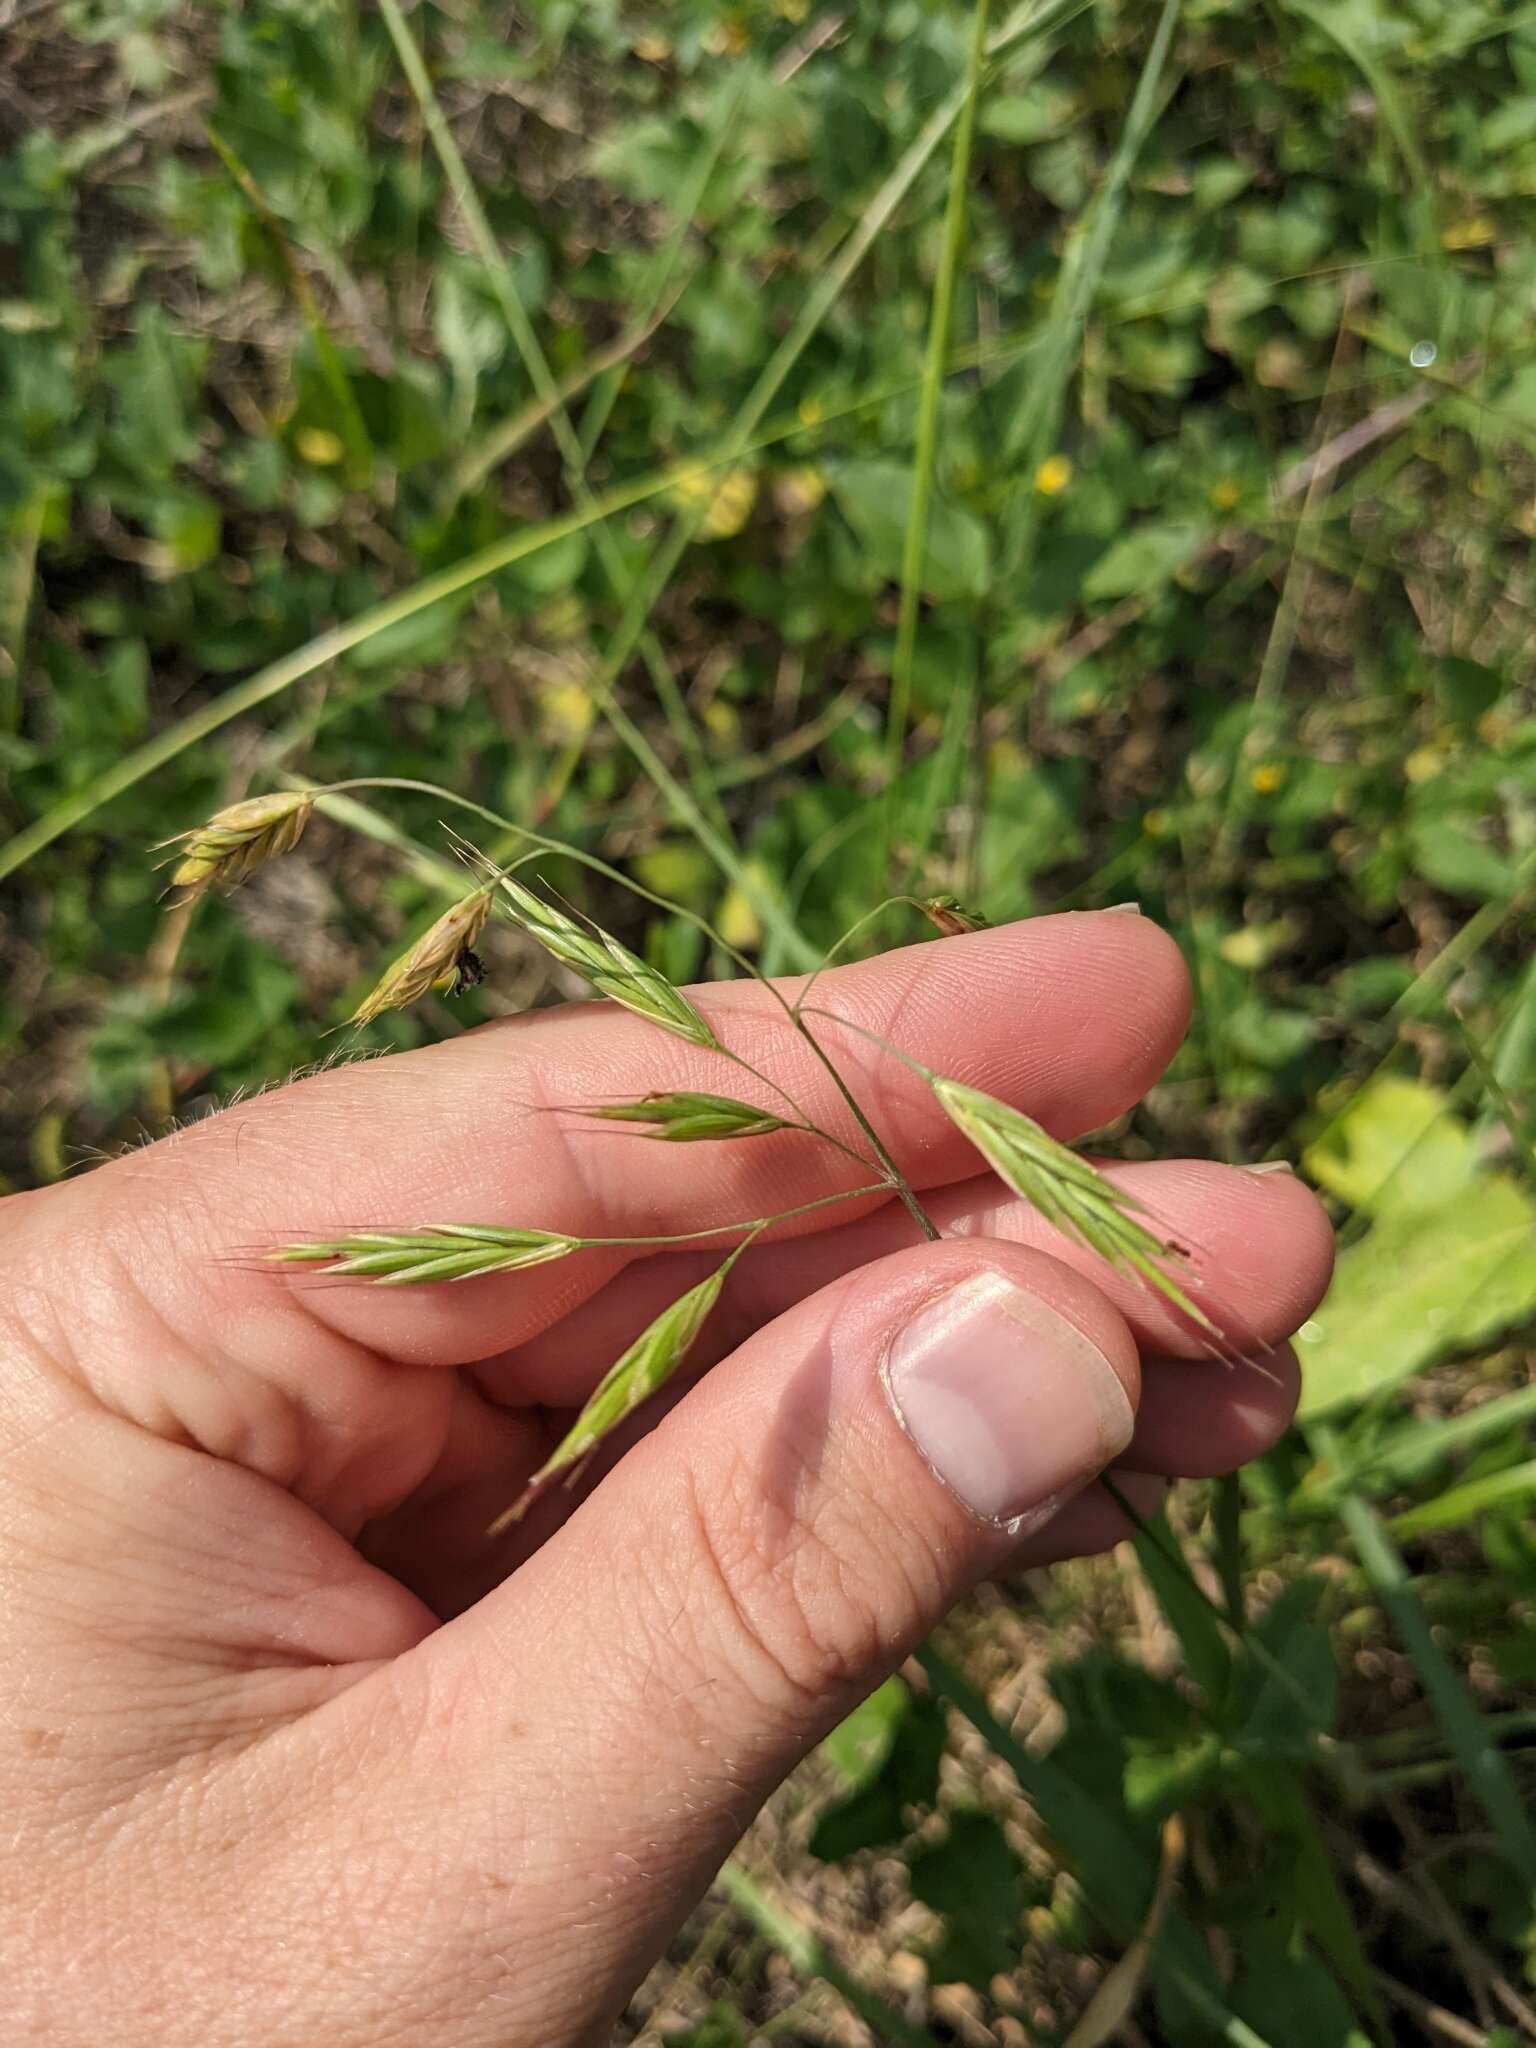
(641, 1371)
(458, 1251)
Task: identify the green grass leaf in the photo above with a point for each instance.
(1199, 1632)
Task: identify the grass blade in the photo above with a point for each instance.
(288, 669)
(1035, 428)
(939, 319)
(1486, 1768)
(801, 1949)
(547, 389)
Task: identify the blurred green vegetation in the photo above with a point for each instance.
(1225, 607)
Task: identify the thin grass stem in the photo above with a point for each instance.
(941, 314)
(547, 389)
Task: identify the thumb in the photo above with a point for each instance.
(762, 1559)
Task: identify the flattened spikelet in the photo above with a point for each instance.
(610, 967)
(1067, 1190)
(236, 841)
(685, 1116)
(643, 1369)
(441, 958)
(950, 916)
(444, 1251)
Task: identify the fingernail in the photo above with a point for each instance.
(1008, 1402)
(1271, 1166)
(1133, 908)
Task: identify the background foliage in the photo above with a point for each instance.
(1225, 608)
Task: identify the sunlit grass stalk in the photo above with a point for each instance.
(1026, 21)
(541, 376)
(941, 313)
(282, 674)
(336, 642)
(648, 587)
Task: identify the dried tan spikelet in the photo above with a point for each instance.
(684, 1116)
(950, 916)
(610, 967)
(237, 840)
(1067, 1190)
(644, 1368)
(442, 958)
(441, 1251)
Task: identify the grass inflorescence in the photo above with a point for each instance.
(1068, 1191)
(237, 840)
(685, 1116)
(444, 1251)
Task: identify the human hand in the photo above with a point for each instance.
(289, 1753)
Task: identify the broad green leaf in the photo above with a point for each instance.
(1423, 1283)
(1286, 1686)
(1396, 1146)
(1140, 560)
(1292, 1996)
(1459, 862)
(889, 1751)
(859, 1745)
(1466, 689)
(1023, 118)
(1159, 1782)
(974, 1879)
(875, 498)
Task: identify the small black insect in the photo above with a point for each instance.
(467, 971)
